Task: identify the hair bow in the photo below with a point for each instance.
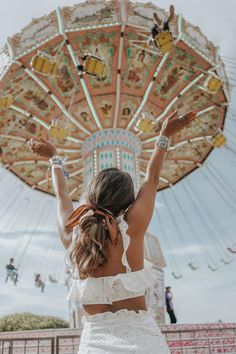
(86, 210)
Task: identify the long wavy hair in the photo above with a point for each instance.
(111, 191)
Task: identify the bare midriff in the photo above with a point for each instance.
(136, 304)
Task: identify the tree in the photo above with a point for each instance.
(28, 321)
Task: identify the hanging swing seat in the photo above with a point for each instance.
(53, 279)
(44, 63)
(194, 265)
(213, 267)
(226, 260)
(213, 84)
(177, 275)
(6, 101)
(219, 140)
(145, 125)
(164, 41)
(58, 129)
(95, 66)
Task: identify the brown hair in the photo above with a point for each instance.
(112, 192)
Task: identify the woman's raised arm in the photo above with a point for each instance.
(140, 214)
(64, 202)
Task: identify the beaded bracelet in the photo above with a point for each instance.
(162, 142)
(57, 161)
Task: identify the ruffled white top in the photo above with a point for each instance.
(108, 289)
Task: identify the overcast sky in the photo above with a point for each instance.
(200, 296)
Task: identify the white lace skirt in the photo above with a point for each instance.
(122, 332)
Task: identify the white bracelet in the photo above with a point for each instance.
(56, 165)
(57, 162)
(162, 142)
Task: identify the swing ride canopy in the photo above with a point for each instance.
(141, 86)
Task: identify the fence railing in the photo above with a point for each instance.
(180, 341)
(67, 344)
(201, 341)
(44, 345)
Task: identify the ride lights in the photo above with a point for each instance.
(95, 162)
(137, 170)
(118, 156)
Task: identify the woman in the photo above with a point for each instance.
(105, 241)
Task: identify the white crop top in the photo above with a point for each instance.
(106, 290)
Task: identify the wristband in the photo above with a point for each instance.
(57, 161)
(162, 142)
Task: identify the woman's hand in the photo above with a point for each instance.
(42, 148)
(174, 123)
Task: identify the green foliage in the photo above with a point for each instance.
(28, 321)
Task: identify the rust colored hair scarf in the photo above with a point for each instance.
(78, 215)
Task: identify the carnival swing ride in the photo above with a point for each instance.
(98, 79)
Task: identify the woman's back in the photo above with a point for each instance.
(127, 245)
(123, 269)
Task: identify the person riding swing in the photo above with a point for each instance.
(12, 271)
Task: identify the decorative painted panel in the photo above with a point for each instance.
(112, 137)
(128, 163)
(139, 65)
(90, 13)
(106, 159)
(128, 107)
(181, 68)
(105, 109)
(39, 30)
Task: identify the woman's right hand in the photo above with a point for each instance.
(174, 123)
(42, 148)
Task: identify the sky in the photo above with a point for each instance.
(199, 296)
